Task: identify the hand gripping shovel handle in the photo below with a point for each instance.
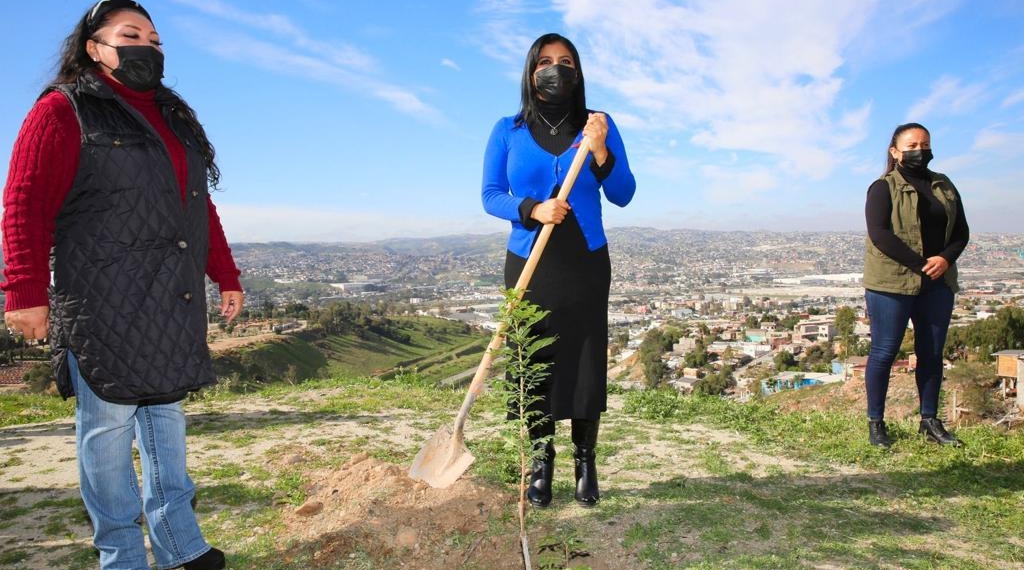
(476, 386)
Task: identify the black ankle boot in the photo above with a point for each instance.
(212, 559)
(542, 434)
(878, 435)
(539, 491)
(584, 437)
(933, 429)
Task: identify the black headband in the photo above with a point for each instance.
(104, 7)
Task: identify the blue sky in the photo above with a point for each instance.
(356, 120)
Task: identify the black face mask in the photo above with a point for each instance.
(916, 159)
(139, 67)
(556, 83)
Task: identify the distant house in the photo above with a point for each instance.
(817, 330)
(1006, 362)
(1007, 369)
(684, 384)
(854, 367)
(684, 345)
(795, 380)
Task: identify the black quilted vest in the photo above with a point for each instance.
(129, 257)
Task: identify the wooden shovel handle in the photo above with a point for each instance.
(476, 386)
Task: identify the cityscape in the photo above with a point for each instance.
(741, 285)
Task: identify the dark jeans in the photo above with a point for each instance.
(930, 311)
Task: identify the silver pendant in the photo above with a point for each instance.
(553, 131)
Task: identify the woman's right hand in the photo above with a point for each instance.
(550, 211)
(30, 323)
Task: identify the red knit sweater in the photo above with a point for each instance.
(43, 167)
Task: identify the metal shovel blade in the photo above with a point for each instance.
(442, 460)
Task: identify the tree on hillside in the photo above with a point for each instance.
(655, 370)
(728, 354)
(715, 384)
(698, 357)
(846, 319)
(784, 360)
(752, 322)
(818, 358)
(789, 322)
(1004, 331)
(704, 330)
(656, 343)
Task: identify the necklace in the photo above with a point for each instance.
(554, 128)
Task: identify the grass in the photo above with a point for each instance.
(22, 408)
(350, 355)
(286, 357)
(688, 483)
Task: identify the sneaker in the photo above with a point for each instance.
(933, 429)
(878, 435)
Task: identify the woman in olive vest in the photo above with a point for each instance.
(916, 231)
(109, 180)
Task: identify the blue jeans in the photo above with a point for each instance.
(110, 486)
(930, 312)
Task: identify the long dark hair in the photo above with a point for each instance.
(890, 162)
(75, 62)
(528, 108)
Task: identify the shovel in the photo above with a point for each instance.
(445, 457)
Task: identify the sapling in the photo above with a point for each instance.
(522, 375)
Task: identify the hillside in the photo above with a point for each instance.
(313, 476)
(435, 348)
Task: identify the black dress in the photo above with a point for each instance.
(572, 283)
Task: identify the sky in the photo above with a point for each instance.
(353, 120)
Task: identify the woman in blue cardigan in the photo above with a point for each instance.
(526, 161)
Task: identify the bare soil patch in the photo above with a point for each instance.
(372, 508)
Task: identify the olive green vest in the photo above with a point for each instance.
(881, 272)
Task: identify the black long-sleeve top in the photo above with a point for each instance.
(878, 212)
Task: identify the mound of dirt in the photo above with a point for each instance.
(372, 509)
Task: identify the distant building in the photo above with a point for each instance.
(684, 384)
(817, 329)
(357, 286)
(854, 367)
(685, 345)
(796, 380)
(1007, 369)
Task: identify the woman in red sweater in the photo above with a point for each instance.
(109, 181)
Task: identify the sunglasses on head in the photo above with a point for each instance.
(104, 7)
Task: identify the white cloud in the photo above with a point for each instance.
(1002, 142)
(1013, 99)
(948, 97)
(733, 184)
(339, 53)
(729, 74)
(992, 149)
(449, 63)
(336, 63)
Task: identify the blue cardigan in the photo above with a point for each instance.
(516, 168)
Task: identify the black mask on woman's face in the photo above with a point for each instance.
(916, 159)
(555, 83)
(139, 67)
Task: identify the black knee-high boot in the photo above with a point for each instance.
(539, 491)
(584, 437)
